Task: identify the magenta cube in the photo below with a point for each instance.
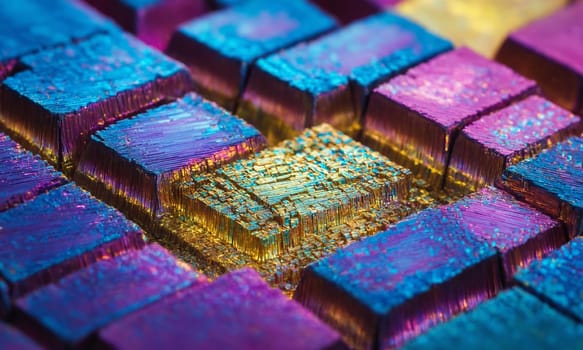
(415, 117)
(486, 147)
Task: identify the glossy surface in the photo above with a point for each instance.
(190, 135)
(552, 183)
(23, 175)
(390, 287)
(53, 108)
(237, 311)
(57, 233)
(414, 118)
(514, 319)
(104, 292)
(520, 131)
(309, 83)
(220, 48)
(556, 278)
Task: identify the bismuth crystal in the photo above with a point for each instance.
(390, 287)
(68, 311)
(414, 118)
(220, 48)
(132, 163)
(329, 79)
(265, 205)
(486, 147)
(23, 175)
(238, 310)
(552, 183)
(69, 92)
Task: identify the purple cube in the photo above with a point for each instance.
(392, 286)
(67, 312)
(550, 51)
(237, 311)
(328, 80)
(220, 48)
(23, 175)
(71, 91)
(132, 163)
(517, 231)
(415, 117)
(152, 21)
(487, 146)
(58, 233)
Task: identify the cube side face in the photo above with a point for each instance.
(216, 77)
(145, 276)
(394, 282)
(109, 58)
(543, 50)
(402, 134)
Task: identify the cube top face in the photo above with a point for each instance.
(113, 63)
(533, 323)
(387, 269)
(520, 125)
(497, 218)
(557, 171)
(23, 175)
(556, 278)
(366, 51)
(106, 291)
(558, 37)
(24, 31)
(67, 219)
(454, 87)
(256, 28)
(302, 186)
(237, 308)
(187, 132)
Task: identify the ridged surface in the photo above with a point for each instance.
(481, 25)
(513, 320)
(266, 204)
(57, 233)
(106, 291)
(517, 231)
(558, 278)
(11, 338)
(552, 182)
(506, 137)
(238, 310)
(391, 286)
(79, 88)
(415, 116)
(23, 175)
(168, 143)
(366, 52)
